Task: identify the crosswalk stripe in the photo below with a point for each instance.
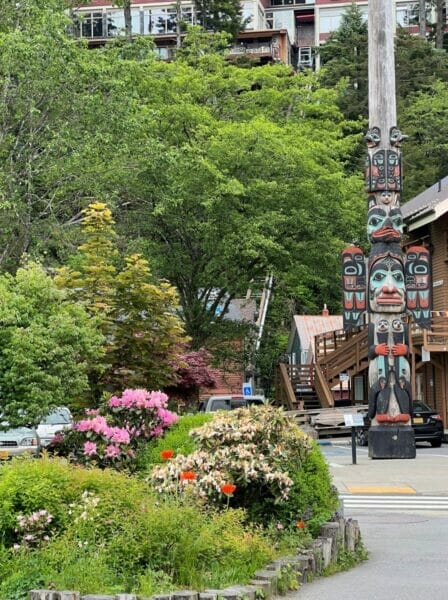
(404, 502)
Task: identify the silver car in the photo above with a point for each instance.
(18, 441)
(58, 420)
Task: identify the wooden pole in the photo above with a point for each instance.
(382, 103)
(422, 19)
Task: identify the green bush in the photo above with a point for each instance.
(177, 438)
(111, 533)
(278, 472)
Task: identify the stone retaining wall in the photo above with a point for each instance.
(342, 534)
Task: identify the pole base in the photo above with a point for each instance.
(391, 441)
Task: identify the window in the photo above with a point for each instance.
(269, 18)
(91, 24)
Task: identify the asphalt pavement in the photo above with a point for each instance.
(402, 509)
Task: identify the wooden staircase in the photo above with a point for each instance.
(310, 386)
(336, 352)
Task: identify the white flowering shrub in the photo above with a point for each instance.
(261, 457)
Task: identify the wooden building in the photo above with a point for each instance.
(426, 224)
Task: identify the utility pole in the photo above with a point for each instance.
(386, 283)
(422, 18)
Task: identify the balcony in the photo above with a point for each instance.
(436, 338)
(256, 50)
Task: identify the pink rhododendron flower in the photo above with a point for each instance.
(89, 448)
(119, 435)
(157, 431)
(114, 402)
(158, 400)
(91, 412)
(112, 451)
(167, 417)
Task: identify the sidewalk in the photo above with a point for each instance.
(427, 474)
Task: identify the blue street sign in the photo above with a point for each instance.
(247, 389)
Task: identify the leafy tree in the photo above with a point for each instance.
(138, 316)
(48, 346)
(252, 179)
(67, 131)
(195, 372)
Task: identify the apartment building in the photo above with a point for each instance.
(285, 31)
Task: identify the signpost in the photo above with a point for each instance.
(354, 420)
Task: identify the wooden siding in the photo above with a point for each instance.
(439, 242)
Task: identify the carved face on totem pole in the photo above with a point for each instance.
(384, 224)
(387, 292)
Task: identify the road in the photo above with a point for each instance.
(406, 543)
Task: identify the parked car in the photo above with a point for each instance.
(426, 423)
(230, 402)
(18, 441)
(58, 420)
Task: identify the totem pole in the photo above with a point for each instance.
(388, 282)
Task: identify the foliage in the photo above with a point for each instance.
(241, 190)
(112, 438)
(274, 466)
(48, 346)
(114, 535)
(195, 372)
(67, 126)
(426, 150)
(347, 560)
(344, 56)
(177, 439)
(139, 318)
(221, 16)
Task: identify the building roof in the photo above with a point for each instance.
(426, 207)
(308, 326)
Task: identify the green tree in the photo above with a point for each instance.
(48, 347)
(220, 15)
(68, 131)
(252, 178)
(138, 315)
(418, 65)
(426, 152)
(344, 57)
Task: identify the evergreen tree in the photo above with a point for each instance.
(220, 16)
(345, 57)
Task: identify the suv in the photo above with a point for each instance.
(215, 403)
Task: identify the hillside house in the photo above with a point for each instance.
(286, 31)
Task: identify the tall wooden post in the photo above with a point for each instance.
(387, 283)
(382, 102)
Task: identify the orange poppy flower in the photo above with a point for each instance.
(300, 524)
(187, 476)
(167, 454)
(228, 489)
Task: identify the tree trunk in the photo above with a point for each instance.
(422, 19)
(440, 22)
(128, 19)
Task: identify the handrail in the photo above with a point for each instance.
(322, 389)
(285, 393)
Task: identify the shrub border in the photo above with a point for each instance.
(278, 577)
